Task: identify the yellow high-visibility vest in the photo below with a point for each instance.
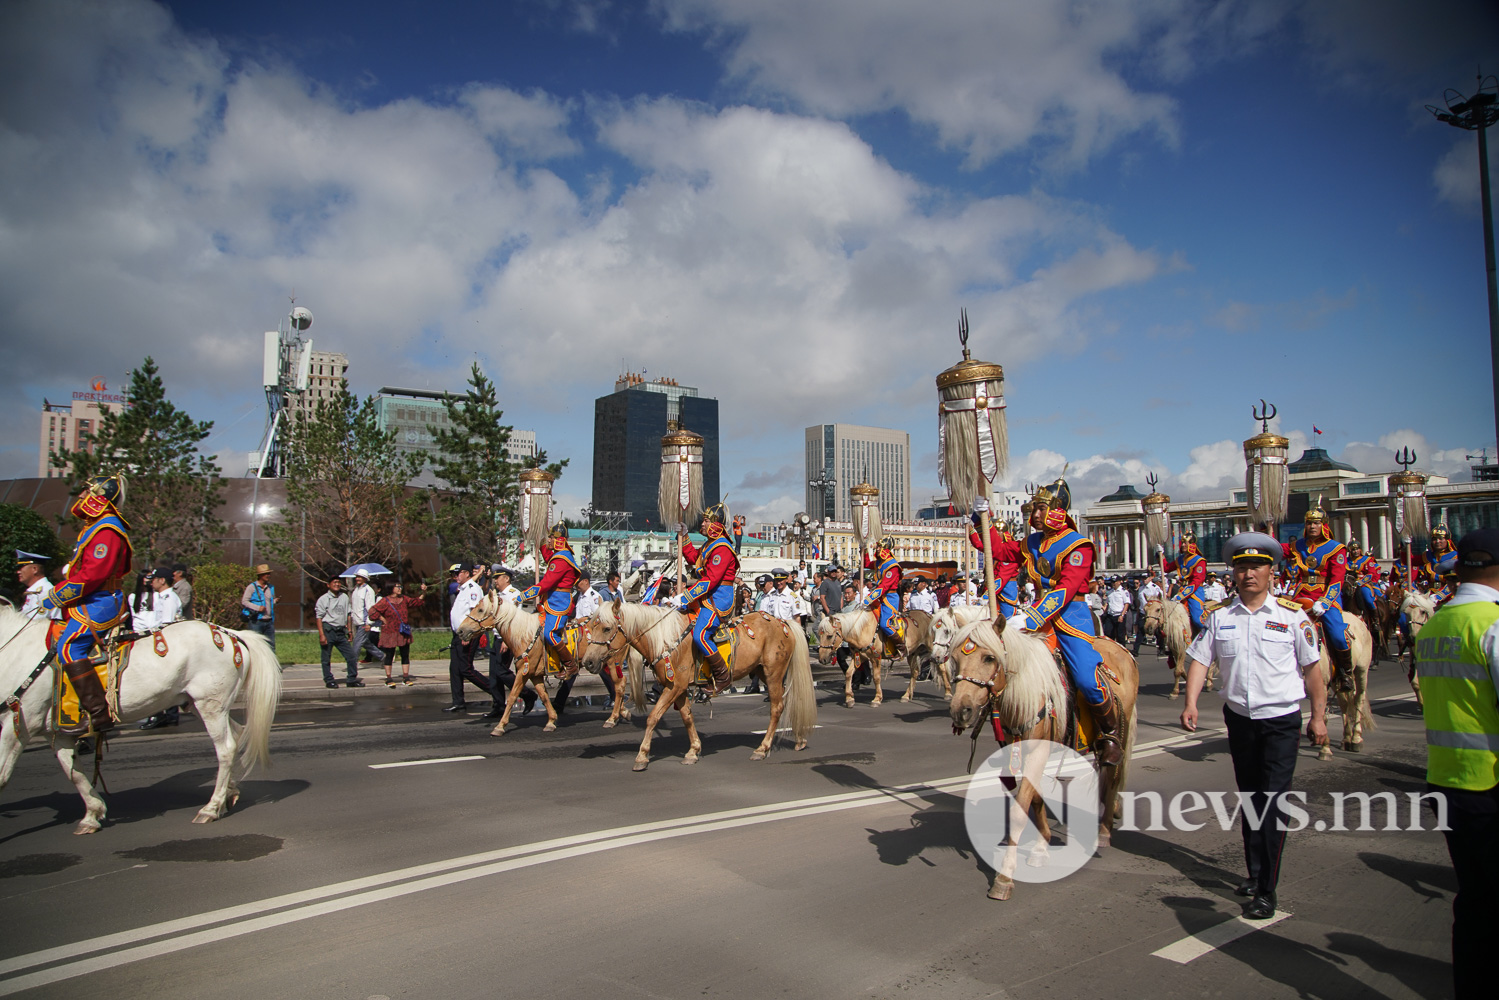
(1461, 705)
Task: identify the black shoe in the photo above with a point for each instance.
(495, 711)
(1247, 888)
(460, 707)
(158, 721)
(356, 683)
(1261, 907)
(330, 684)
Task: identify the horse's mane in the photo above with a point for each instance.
(12, 622)
(1032, 681)
(508, 617)
(1175, 616)
(641, 620)
(1413, 599)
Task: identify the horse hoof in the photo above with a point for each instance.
(1104, 839)
(550, 727)
(904, 698)
(1038, 857)
(641, 765)
(84, 828)
(1173, 696)
(1001, 889)
(1325, 753)
(499, 730)
(690, 759)
(204, 816)
(233, 801)
(758, 755)
(801, 745)
(1353, 746)
(877, 703)
(848, 703)
(610, 724)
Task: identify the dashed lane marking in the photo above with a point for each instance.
(1215, 937)
(432, 760)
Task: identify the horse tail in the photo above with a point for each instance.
(636, 665)
(262, 693)
(801, 700)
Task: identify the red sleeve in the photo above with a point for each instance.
(1004, 550)
(1337, 567)
(378, 615)
(1074, 576)
(1169, 565)
(1288, 552)
(869, 562)
(689, 552)
(105, 557)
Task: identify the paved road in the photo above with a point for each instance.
(546, 868)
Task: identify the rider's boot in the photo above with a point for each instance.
(1107, 743)
(1342, 668)
(722, 677)
(90, 696)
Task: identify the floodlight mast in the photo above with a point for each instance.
(288, 365)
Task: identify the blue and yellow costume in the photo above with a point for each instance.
(1059, 561)
(555, 593)
(713, 595)
(1321, 565)
(1006, 575)
(1435, 568)
(90, 594)
(1191, 576)
(1365, 570)
(884, 600)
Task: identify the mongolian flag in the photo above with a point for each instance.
(1315, 429)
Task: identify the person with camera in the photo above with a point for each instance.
(257, 605)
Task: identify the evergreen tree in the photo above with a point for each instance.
(345, 484)
(23, 528)
(476, 512)
(172, 490)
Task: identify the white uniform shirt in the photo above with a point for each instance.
(463, 602)
(1260, 655)
(361, 599)
(588, 603)
(1214, 592)
(780, 604)
(510, 594)
(922, 600)
(1118, 601)
(156, 610)
(35, 594)
(1149, 592)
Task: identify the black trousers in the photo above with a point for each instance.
(461, 668)
(1473, 844)
(1264, 756)
(338, 638)
(502, 673)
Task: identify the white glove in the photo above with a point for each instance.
(1016, 621)
(1160, 550)
(980, 505)
(679, 603)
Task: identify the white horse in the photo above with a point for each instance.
(1174, 622)
(1418, 609)
(943, 628)
(194, 669)
(1353, 704)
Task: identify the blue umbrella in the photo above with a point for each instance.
(366, 570)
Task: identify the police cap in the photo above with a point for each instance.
(28, 559)
(1250, 548)
(1475, 550)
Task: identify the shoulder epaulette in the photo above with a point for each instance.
(1289, 604)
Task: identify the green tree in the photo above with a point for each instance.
(23, 528)
(217, 588)
(345, 486)
(476, 511)
(172, 490)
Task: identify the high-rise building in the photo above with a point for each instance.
(325, 375)
(850, 454)
(414, 413)
(628, 425)
(71, 427)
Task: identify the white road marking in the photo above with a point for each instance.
(247, 918)
(1215, 937)
(434, 760)
(189, 932)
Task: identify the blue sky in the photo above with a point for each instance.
(1156, 212)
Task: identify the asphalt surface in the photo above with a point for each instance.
(546, 868)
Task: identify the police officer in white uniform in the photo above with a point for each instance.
(460, 653)
(1266, 648)
(780, 603)
(29, 571)
(922, 599)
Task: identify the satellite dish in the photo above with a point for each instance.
(301, 317)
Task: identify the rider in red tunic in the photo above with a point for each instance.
(712, 597)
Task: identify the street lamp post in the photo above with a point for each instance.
(1476, 114)
(822, 484)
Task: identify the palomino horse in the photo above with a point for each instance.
(860, 629)
(945, 624)
(1353, 704)
(205, 665)
(1174, 622)
(1380, 619)
(763, 645)
(520, 630)
(1418, 609)
(1014, 674)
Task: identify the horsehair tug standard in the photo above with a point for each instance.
(864, 511)
(973, 441)
(1157, 508)
(535, 507)
(1266, 478)
(679, 500)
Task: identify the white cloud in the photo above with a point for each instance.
(988, 77)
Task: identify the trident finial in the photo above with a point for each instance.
(1405, 458)
(1151, 479)
(963, 333)
(1264, 414)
